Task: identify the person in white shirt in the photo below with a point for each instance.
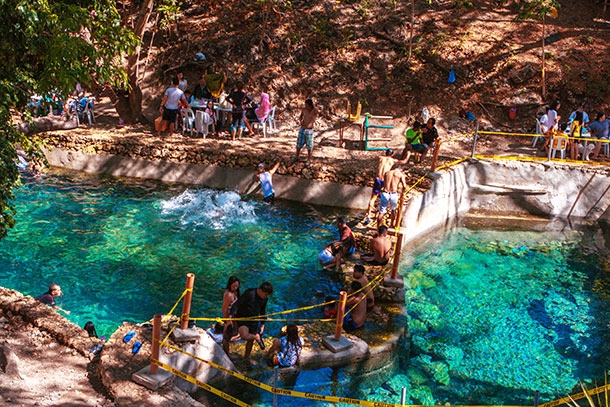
(169, 107)
(182, 82)
(552, 116)
(544, 122)
(265, 178)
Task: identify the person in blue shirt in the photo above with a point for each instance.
(585, 116)
(266, 180)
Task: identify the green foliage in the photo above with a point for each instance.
(169, 10)
(538, 9)
(48, 46)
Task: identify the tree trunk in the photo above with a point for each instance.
(128, 104)
(47, 123)
(543, 62)
(412, 27)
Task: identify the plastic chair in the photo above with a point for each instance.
(89, 110)
(538, 131)
(353, 117)
(202, 123)
(558, 144)
(187, 121)
(269, 121)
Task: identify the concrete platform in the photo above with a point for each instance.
(150, 381)
(397, 282)
(185, 335)
(337, 346)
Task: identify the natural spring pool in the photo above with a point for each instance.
(493, 315)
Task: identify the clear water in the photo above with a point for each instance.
(497, 315)
(494, 316)
(121, 249)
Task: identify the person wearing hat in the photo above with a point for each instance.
(266, 180)
(48, 298)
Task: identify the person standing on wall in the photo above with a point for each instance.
(266, 180)
(308, 117)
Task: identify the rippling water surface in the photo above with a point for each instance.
(493, 315)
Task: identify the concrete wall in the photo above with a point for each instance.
(239, 179)
(510, 188)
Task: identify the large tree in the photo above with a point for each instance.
(47, 47)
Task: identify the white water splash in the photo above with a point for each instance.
(209, 208)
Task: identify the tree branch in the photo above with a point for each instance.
(48, 123)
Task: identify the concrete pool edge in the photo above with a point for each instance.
(545, 190)
(212, 176)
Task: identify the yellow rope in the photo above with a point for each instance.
(169, 314)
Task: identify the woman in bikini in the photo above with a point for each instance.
(231, 295)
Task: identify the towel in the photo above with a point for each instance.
(262, 111)
(215, 83)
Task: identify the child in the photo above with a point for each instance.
(211, 112)
(216, 333)
(286, 350)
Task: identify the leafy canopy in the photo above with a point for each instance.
(48, 46)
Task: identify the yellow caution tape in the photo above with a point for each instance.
(169, 314)
(575, 397)
(501, 133)
(271, 389)
(517, 158)
(458, 137)
(255, 319)
(200, 383)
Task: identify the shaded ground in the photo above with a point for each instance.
(50, 374)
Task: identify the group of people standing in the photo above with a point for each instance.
(238, 310)
(244, 112)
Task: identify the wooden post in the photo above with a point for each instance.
(397, 250)
(340, 312)
(186, 306)
(435, 156)
(156, 337)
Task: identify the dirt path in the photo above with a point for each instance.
(50, 374)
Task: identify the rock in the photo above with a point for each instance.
(522, 75)
(3, 320)
(9, 362)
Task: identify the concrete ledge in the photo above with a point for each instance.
(239, 179)
(152, 381)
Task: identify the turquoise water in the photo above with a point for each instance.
(494, 315)
(121, 249)
(497, 315)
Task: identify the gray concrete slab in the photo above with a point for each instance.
(185, 335)
(337, 346)
(397, 282)
(150, 381)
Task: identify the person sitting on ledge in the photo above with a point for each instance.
(48, 298)
(346, 243)
(359, 276)
(286, 350)
(355, 319)
(382, 248)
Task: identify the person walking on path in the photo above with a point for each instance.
(48, 298)
(308, 117)
(266, 180)
(169, 106)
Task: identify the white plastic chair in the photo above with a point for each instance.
(89, 110)
(538, 131)
(269, 122)
(187, 121)
(202, 123)
(558, 144)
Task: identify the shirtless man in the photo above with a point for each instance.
(359, 276)
(393, 183)
(386, 163)
(309, 114)
(355, 319)
(382, 248)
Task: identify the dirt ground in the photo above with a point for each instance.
(49, 374)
